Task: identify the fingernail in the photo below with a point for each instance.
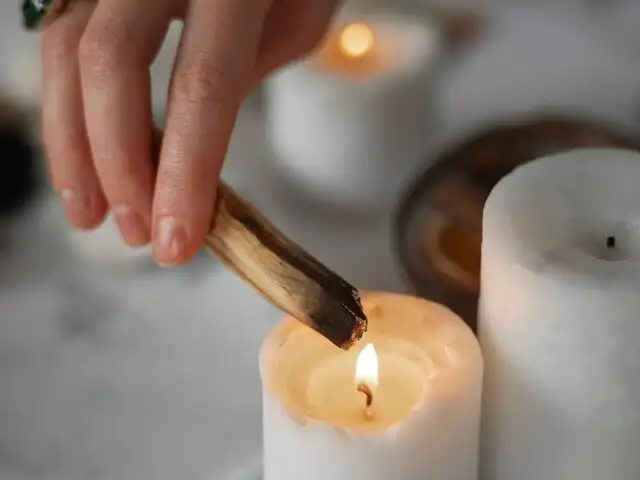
(85, 211)
(170, 242)
(133, 228)
(78, 209)
(74, 203)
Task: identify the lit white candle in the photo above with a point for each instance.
(559, 319)
(405, 404)
(347, 123)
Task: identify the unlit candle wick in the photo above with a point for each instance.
(611, 242)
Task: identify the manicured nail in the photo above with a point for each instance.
(170, 242)
(134, 230)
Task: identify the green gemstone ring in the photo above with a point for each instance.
(36, 12)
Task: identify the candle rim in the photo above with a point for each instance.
(586, 267)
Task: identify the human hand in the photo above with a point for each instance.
(97, 118)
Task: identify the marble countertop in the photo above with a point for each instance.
(140, 373)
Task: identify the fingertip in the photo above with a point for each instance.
(133, 226)
(180, 224)
(85, 211)
(169, 242)
(174, 243)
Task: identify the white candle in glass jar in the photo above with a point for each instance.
(560, 319)
(349, 122)
(403, 404)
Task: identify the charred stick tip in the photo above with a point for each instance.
(338, 315)
(358, 332)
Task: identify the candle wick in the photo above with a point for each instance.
(368, 394)
(364, 389)
(611, 242)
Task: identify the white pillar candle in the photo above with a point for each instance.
(348, 122)
(421, 366)
(559, 319)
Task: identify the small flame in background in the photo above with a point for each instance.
(356, 40)
(367, 367)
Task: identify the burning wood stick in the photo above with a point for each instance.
(285, 274)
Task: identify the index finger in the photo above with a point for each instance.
(214, 64)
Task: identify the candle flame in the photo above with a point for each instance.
(367, 367)
(356, 40)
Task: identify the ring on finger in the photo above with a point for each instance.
(37, 13)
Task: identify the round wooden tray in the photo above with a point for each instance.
(439, 220)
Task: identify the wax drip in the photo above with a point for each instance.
(611, 242)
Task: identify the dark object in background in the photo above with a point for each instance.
(463, 27)
(18, 167)
(438, 229)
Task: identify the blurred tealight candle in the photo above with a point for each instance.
(350, 121)
(403, 405)
(356, 40)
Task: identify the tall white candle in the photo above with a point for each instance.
(347, 123)
(560, 319)
(421, 368)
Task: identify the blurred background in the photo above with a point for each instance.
(113, 369)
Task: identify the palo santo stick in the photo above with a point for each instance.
(279, 269)
(285, 274)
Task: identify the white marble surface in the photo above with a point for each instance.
(111, 375)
